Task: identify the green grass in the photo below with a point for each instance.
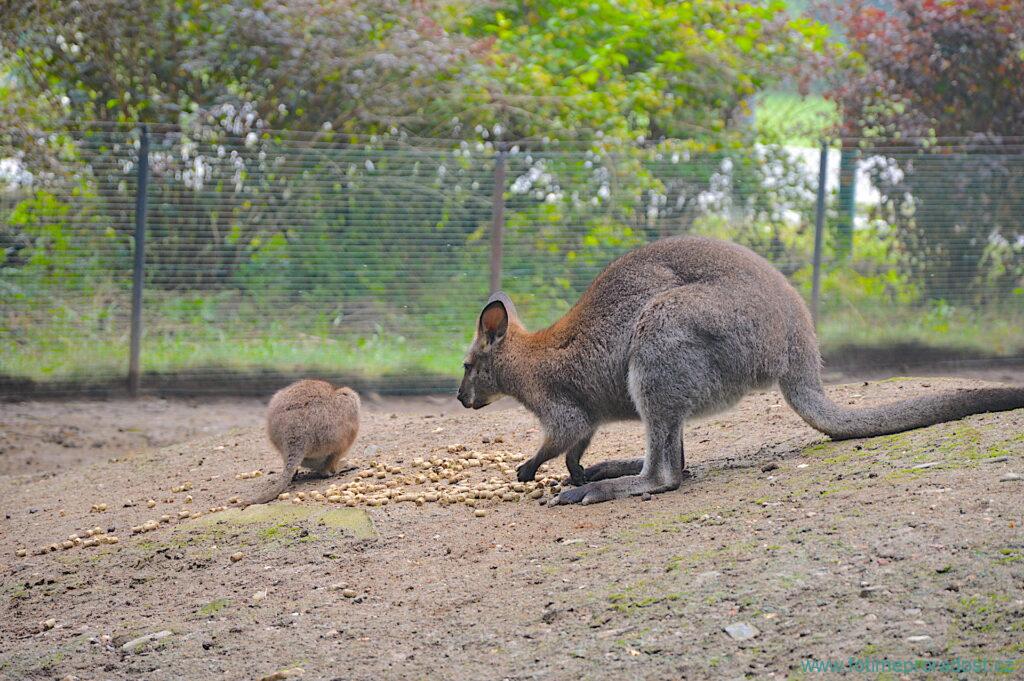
(86, 340)
(213, 607)
(49, 353)
(998, 332)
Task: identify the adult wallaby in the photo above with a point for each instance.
(311, 423)
(676, 329)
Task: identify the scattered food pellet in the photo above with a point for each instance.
(21, 553)
(237, 556)
(348, 593)
(48, 624)
(479, 513)
(150, 504)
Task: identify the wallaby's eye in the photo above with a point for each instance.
(467, 366)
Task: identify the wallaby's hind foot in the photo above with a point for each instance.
(615, 468)
(616, 488)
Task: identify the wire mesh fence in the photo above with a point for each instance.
(271, 254)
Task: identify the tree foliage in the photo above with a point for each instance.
(648, 69)
(937, 86)
(933, 68)
(359, 65)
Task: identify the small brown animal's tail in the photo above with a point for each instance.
(803, 391)
(273, 488)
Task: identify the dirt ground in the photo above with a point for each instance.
(900, 548)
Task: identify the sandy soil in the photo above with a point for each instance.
(901, 547)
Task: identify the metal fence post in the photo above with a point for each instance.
(134, 377)
(847, 200)
(819, 228)
(497, 219)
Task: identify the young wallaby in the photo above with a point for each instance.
(677, 329)
(311, 423)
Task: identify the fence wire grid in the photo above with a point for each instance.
(270, 254)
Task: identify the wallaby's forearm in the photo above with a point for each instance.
(549, 449)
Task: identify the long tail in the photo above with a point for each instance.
(273, 488)
(803, 391)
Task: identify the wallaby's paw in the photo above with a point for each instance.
(577, 477)
(526, 471)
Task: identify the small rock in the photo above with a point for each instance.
(997, 459)
(646, 496)
(769, 467)
(132, 645)
(237, 556)
(741, 631)
(48, 624)
(259, 596)
(921, 466)
(918, 639)
(1009, 477)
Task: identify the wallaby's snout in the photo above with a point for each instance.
(465, 395)
(477, 389)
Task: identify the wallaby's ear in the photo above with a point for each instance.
(493, 321)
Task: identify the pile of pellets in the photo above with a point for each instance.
(470, 478)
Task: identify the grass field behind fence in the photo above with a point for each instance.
(434, 345)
